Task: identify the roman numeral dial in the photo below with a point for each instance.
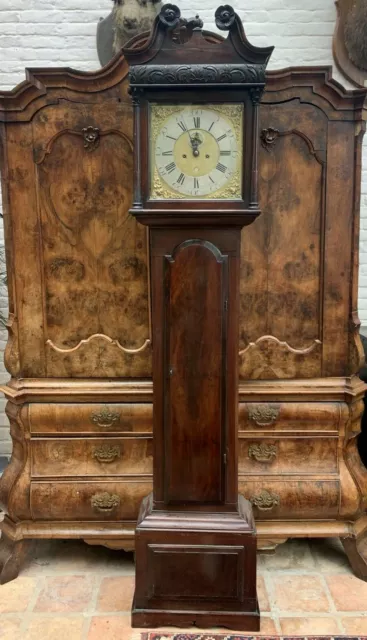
(196, 151)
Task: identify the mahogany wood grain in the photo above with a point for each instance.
(181, 554)
(196, 285)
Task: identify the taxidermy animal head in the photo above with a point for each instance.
(355, 34)
(131, 17)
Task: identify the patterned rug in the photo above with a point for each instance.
(159, 635)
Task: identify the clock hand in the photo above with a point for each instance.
(195, 141)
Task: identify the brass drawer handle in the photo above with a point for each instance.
(265, 501)
(263, 415)
(105, 418)
(106, 453)
(105, 502)
(262, 452)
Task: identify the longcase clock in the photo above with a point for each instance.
(195, 186)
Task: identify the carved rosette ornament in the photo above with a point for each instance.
(91, 138)
(169, 16)
(268, 137)
(224, 17)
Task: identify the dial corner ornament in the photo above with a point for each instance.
(196, 151)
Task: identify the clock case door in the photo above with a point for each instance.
(194, 330)
(195, 371)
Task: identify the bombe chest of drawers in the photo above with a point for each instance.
(79, 348)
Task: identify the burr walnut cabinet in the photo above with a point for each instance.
(79, 348)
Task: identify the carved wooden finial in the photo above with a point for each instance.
(224, 17)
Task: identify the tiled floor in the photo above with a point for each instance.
(70, 591)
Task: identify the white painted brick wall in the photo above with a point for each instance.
(63, 33)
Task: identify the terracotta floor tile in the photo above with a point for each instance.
(300, 593)
(55, 628)
(354, 625)
(110, 628)
(15, 595)
(293, 554)
(262, 594)
(116, 594)
(307, 625)
(348, 592)
(70, 594)
(9, 628)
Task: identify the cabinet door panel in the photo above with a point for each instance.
(282, 252)
(93, 253)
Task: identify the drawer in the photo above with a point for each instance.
(292, 416)
(90, 418)
(60, 457)
(288, 455)
(272, 499)
(87, 500)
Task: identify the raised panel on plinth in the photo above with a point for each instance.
(196, 291)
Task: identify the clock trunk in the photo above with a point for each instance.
(195, 529)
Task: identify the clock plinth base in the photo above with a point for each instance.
(196, 568)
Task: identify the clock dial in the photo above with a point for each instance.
(197, 151)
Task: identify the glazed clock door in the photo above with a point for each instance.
(195, 336)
